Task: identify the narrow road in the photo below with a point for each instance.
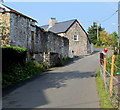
(71, 86)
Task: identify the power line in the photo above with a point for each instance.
(110, 16)
(103, 19)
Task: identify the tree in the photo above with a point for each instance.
(104, 37)
(108, 39)
(92, 32)
(115, 37)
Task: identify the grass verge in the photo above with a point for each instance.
(103, 94)
(103, 47)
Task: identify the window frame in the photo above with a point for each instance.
(75, 39)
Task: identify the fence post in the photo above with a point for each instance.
(104, 70)
(112, 72)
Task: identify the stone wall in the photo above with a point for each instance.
(20, 31)
(89, 47)
(51, 45)
(58, 44)
(79, 47)
(4, 29)
(40, 40)
(49, 58)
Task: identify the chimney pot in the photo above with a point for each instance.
(52, 22)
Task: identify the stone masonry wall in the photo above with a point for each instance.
(20, 31)
(51, 45)
(57, 44)
(79, 47)
(40, 40)
(89, 47)
(4, 29)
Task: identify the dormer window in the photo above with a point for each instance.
(75, 38)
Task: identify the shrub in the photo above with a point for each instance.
(15, 68)
(17, 73)
(13, 55)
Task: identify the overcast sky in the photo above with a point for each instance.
(85, 12)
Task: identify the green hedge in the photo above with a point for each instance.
(13, 55)
(18, 73)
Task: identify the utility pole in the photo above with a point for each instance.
(118, 52)
(119, 26)
(97, 31)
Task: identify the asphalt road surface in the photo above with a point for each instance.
(70, 86)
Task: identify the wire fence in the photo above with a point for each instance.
(111, 81)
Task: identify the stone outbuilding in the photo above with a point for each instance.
(79, 43)
(21, 31)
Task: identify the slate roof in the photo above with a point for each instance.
(60, 27)
(18, 13)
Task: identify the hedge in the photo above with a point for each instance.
(13, 55)
(17, 73)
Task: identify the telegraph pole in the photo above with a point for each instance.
(97, 31)
(119, 26)
(119, 51)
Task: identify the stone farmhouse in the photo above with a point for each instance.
(79, 42)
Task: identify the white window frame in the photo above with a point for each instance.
(75, 39)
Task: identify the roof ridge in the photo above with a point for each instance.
(60, 22)
(17, 12)
(67, 21)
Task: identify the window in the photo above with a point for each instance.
(75, 37)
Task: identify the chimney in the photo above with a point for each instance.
(52, 22)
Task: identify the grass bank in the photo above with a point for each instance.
(103, 47)
(103, 94)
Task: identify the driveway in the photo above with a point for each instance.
(70, 86)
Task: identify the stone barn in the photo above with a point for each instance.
(21, 31)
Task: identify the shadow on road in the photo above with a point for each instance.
(31, 94)
(9, 89)
(72, 61)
